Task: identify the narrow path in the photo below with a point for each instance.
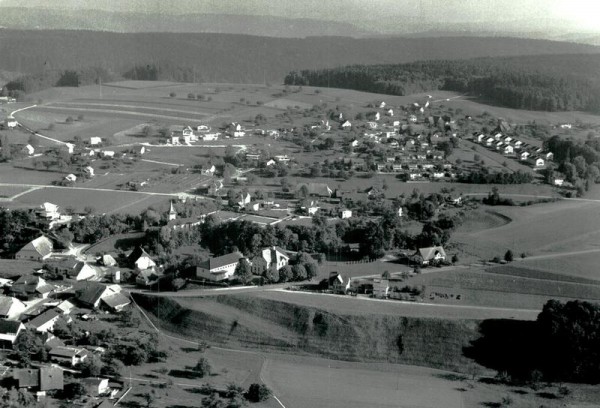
(159, 162)
(33, 132)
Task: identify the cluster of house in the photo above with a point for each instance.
(516, 148)
(382, 288)
(269, 161)
(30, 304)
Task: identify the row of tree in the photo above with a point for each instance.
(506, 81)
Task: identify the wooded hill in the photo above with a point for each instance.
(542, 82)
(240, 58)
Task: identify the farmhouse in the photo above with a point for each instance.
(140, 259)
(430, 255)
(84, 271)
(45, 321)
(274, 256)
(29, 287)
(48, 211)
(95, 141)
(338, 283)
(28, 149)
(41, 379)
(37, 250)
(96, 296)
(346, 125)
(539, 162)
(345, 213)
(71, 356)
(11, 308)
(219, 268)
(9, 331)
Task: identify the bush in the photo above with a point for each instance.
(258, 393)
(69, 119)
(172, 94)
(203, 367)
(508, 256)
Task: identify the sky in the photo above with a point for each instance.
(582, 14)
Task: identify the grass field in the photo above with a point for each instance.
(580, 265)
(11, 267)
(102, 201)
(481, 288)
(539, 229)
(9, 191)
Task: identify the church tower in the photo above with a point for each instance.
(172, 213)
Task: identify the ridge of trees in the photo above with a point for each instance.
(547, 83)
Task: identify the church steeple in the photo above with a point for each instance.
(172, 213)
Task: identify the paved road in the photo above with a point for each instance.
(33, 132)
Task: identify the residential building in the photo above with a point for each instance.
(274, 256)
(29, 287)
(11, 308)
(28, 149)
(9, 331)
(37, 250)
(40, 379)
(345, 213)
(45, 321)
(96, 386)
(140, 259)
(338, 284)
(430, 255)
(95, 141)
(219, 268)
(70, 356)
(95, 295)
(48, 211)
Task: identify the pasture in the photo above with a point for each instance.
(101, 201)
(566, 225)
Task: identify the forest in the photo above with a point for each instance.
(546, 83)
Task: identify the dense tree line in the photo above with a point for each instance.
(570, 83)
(47, 79)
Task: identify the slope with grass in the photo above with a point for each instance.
(252, 322)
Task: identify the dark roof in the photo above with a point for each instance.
(430, 252)
(27, 377)
(51, 378)
(116, 300)
(91, 293)
(318, 189)
(67, 351)
(27, 284)
(43, 318)
(219, 261)
(9, 326)
(136, 254)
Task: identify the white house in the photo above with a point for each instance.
(377, 116)
(243, 199)
(354, 143)
(480, 138)
(382, 105)
(549, 156)
(209, 137)
(141, 259)
(174, 140)
(11, 308)
(49, 211)
(275, 256)
(345, 213)
(539, 162)
(524, 155)
(282, 158)
(187, 131)
(508, 149)
(219, 268)
(270, 162)
(108, 153)
(44, 322)
(400, 212)
(95, 141)
(71, 177)
(71, 356)
(390, 112)
(203, 128)
(89, 170)
(346, 125)
(559, 182)
(489, 141)
(9, 331)
(430, 255)
(209, 169)
(28, 149)
(412, 119)
(83, 271)
(372, 125)
(518, 144)
(11, 123)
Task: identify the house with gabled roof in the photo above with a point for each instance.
(29, 287)
(429, 255)
(140, 259)
(338, 283)
(41, 379)
(70, 356)
(45, 321)
(316, 189)
(37, 250)
(219, 268)
(93, 294)
(9, 331)
(11, 308)
(275, 256)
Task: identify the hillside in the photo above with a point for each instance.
(251, 322)
(540, 82)
(240, 58)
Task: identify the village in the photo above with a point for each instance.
(358, 202)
